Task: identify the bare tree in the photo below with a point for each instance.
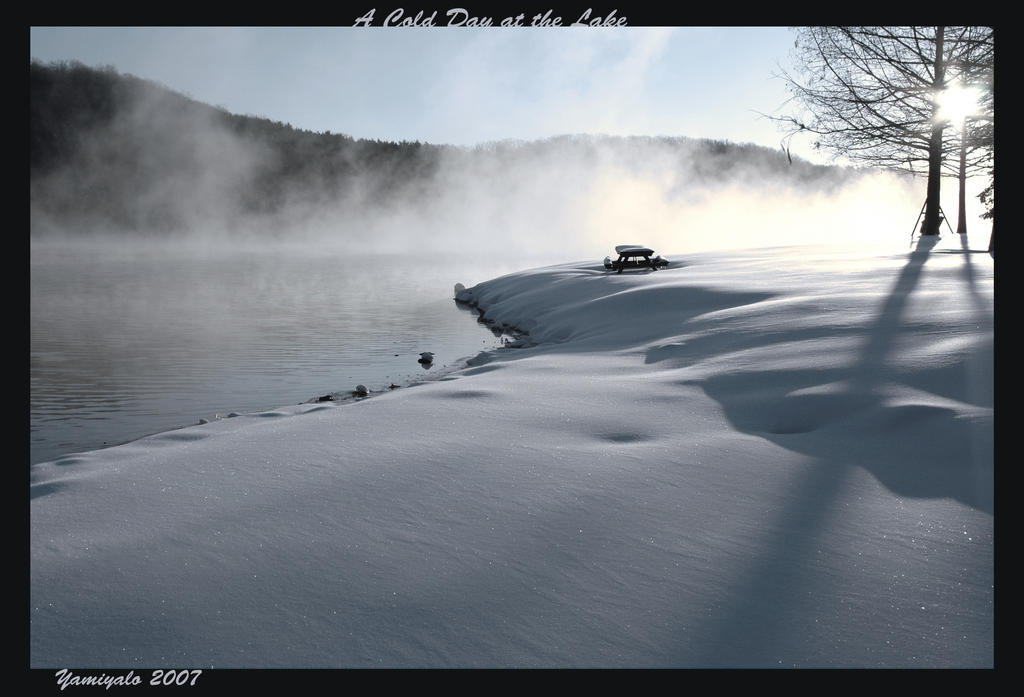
(872, 96)
(977, 68)
(971, 112)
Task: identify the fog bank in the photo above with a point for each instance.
(119, 156)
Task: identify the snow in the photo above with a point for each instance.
(754, 458)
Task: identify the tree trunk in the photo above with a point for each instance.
(992, 240)
(961, 219)
(932, 219)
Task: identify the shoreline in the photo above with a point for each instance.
(169, 386)
(337, 398)
(675, 449)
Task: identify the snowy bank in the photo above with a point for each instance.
(764, 458)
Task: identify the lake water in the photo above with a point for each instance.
(126, 342)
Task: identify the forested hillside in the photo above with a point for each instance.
(122, 153)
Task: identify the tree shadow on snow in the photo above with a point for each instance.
(843, 419)
(855, 416)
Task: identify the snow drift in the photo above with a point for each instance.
(768, 458)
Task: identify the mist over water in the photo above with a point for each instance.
(132, 340)
(146, 162)
(568, 198)
(209, 270)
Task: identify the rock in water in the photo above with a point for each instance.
(361, 391)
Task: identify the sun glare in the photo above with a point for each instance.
(957, 102)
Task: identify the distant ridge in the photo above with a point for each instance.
(121, 152)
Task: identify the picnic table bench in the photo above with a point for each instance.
(633, 256)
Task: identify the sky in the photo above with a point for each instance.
(462, 85)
